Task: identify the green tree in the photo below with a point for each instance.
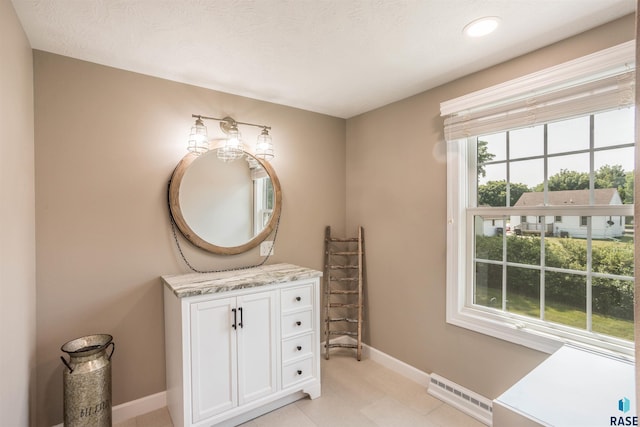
(611, 177)
(494, 193)
(566, 180)
(628, 188)
(615, 177)
(484, 156)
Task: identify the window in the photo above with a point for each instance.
(262, 198)
(563, 270)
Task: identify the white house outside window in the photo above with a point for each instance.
(540, 208)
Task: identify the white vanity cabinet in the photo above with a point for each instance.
(239, 344)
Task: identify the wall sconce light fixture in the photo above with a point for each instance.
(233, 146)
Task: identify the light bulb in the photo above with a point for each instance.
(198, 138)
(233, 148)
(264, 145)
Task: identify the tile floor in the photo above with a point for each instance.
(354, 394)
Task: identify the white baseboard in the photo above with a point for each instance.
(389, 362)
(136, 407)
(397, 366)
(140, 406)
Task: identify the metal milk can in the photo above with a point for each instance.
(87, 381)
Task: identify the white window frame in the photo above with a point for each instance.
(261, 212)
(529, 332)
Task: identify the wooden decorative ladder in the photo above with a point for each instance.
(343, 262)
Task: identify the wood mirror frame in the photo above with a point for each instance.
(193, 237)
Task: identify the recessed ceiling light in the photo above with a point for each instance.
(482, 26)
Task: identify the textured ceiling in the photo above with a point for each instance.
(338, 57)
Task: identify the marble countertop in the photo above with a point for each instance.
(186, 285)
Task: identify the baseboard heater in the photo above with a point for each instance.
(472, 404)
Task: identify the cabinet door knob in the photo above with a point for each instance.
(299, 372)
(298, 298)
(299, 347)
(298, 323)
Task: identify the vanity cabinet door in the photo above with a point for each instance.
(257, 364)
(233, 352)
(214, 367)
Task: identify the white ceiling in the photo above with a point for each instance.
(338, 57)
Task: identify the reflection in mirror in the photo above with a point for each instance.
(224, 207)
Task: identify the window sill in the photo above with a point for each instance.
(519, 332)
(468, 319)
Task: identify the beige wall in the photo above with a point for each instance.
(17, 216)
(107, 141)
(396, 189)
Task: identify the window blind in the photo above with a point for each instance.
(598, 82)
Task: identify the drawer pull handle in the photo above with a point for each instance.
(299, 372)
(298, 299)
(299, 347)
(298, 323)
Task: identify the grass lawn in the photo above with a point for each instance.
(565, 315)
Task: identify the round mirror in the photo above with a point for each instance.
(224, 207)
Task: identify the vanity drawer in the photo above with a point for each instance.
(297, 323)
(297, 347)
(297, 371)
(297, 298)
